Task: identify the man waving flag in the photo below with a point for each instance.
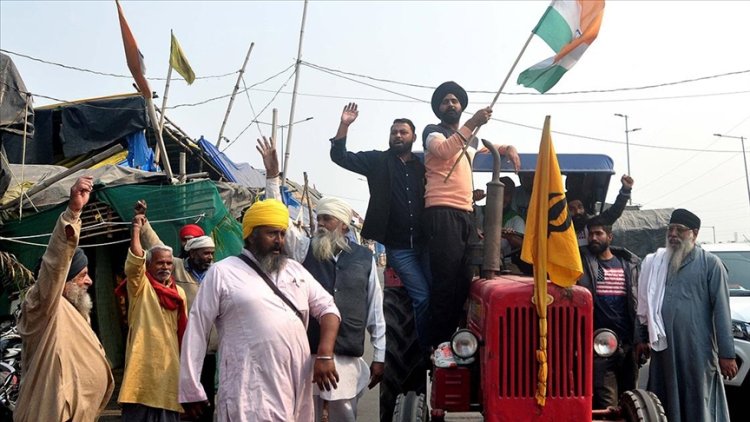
(550, 243)
(569, 27)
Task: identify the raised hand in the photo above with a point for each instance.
(140, 207)
(627, 182)
(267, 149)
(80, 192)
(349, 115)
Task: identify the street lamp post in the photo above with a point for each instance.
(744, 159)
(627, 144)
(627, 138)
(282, 127)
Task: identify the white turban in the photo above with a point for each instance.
(336, 208)
(199, 242)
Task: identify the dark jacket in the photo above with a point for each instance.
(377, 166)
(631, 265)
(346, 280)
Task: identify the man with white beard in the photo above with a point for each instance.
(683, 301)
(349, 273)
(66, 375)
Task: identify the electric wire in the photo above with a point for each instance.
(591, 91)
(114, 75)
(261, 112)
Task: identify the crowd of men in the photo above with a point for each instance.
(284, 323)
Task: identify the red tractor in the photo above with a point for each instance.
(499, 378)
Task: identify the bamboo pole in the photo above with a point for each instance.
(274, 126)
(234, 94)
(494, 100)
(309, 205)
(183, 166)
(23, 153)
(285, 170)
(164, 100)
(159, 139)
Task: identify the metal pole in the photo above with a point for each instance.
(234, 94)
(744, 159)
(627, 143)
(294, 96)
(164, 107)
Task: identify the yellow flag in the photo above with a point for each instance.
(550, 244)
(550, 240)
(179, 62)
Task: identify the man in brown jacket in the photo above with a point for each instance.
(66, 376)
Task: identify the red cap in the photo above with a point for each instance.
(190, 231)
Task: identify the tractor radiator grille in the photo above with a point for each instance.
(566, 359)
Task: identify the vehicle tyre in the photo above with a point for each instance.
(641, 406)
(405, 369)
(410, 407)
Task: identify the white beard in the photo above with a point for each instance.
(678, 254)
(79, 298)
(326, 244)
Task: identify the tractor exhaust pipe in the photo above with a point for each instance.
(493, 218)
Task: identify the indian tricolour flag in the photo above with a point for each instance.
(568, 27)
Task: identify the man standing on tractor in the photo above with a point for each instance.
(580, 217)
(395, 178)
(447, 217)
(611, 274)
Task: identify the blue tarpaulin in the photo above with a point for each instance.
(240, 173)
(140, 156)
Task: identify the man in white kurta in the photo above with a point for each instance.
(265, 367)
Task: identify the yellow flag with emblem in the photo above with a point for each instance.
(179, 62)
(550, 239)
(550, 243)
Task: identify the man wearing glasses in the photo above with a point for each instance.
(683, 300)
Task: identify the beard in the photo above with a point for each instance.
(451, 117)
(402, 148)
(79, 298)
(679, 252)
(271, 262)
(596, 248)
(326, 244)
(162, 275)
(579, 221)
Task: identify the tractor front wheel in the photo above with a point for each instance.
(410, 407)
(641, 406)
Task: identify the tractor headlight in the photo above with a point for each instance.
(741, 330)
(464, 344)
(605, 342)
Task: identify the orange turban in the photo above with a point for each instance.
(270, 212)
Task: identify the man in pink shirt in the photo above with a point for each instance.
(447, 216)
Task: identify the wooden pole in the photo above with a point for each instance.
(294, 97)
(274, 125)
(23, 153)
(494, 100)
(183, 166)
(159, 139)
(309, 205)
(164, 101)
(234, 94)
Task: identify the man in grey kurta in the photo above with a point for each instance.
(691, 333)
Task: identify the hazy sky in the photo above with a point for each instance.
(675, 159)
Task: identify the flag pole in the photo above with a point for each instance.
(234, 94)
(159, 139)
(294, 97)
(164, 100)
(494, 100)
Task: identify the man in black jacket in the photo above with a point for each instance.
(396, 179)
(611, 274)
(580, 218)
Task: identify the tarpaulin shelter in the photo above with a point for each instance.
(16, 114)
